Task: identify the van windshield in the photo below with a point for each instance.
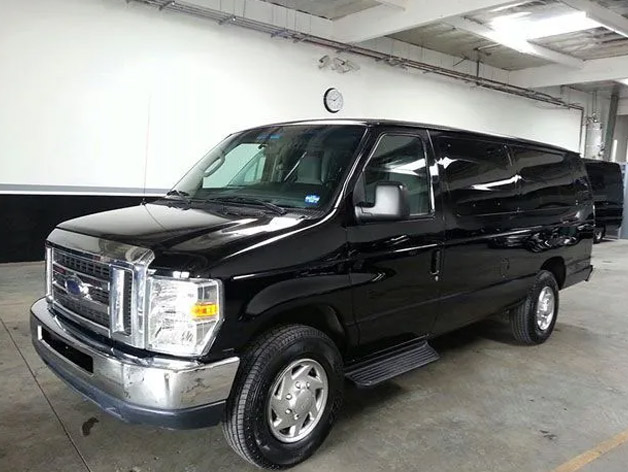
(299, 166)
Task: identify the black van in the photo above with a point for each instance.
(607, 184)
(297, 255)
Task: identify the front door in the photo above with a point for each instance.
(396, 264)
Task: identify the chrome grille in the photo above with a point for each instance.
(80, 308)
(84, 266)
(127, 292)
(81, 286)
(99, 284)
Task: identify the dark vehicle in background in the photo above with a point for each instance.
(297, 255)
(607, 184)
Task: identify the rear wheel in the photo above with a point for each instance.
(533, 321)
(286, 397)
(598, 235)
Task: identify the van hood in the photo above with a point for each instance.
(177, 228)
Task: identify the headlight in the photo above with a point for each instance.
(183, 315)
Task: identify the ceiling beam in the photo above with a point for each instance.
(596, 70)
(520, 45)
(597, 12)
(394, 3)
(268, 13)
(382, 20)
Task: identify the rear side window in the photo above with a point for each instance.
(615, 184)
(606, 180)
(582, 183)
(400, 158)
(596, 176)
(479, 176)
(546, 178)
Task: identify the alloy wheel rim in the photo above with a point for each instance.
(545, 308)
(297, 400)
(598, 234)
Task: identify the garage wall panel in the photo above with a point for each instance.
(101, 96)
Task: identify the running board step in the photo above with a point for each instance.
(391, 363)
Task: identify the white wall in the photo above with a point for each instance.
(592, 104)
(621, 137)
(91, 90)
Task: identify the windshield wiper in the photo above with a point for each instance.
(249, 200)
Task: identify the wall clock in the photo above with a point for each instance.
(333, 100)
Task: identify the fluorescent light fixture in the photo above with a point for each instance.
(508, 7)
(512, 41)
(520, 26)
(510, 17)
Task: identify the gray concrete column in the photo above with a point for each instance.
(623, 231)
(610, 123)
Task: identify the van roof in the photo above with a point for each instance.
(597, 162)
(371, 122)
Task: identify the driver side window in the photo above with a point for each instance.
(399, 158)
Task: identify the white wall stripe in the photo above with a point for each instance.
(27, 189)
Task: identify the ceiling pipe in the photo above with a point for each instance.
(298, 36)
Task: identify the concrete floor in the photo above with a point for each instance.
(487, 405)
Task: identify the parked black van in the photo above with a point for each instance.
(297, 255)
(607, 184)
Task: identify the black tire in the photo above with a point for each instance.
(599, 234)
(245, 425)
(523, 319)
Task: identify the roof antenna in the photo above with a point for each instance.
(146, 147)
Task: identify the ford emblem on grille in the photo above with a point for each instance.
(75, 287)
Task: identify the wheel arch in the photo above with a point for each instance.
(323, 317)
(556, 265)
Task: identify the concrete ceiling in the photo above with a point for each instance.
(585, 45)
(449, 40)
(467, 29)
(604, 88)
(328, 9)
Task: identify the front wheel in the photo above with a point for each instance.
(532, 322)
(285, 398)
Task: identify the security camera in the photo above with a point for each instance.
(340, 65)
(324, 61)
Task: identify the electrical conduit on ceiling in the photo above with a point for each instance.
(395, 61)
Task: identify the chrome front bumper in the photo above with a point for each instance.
(172, 393)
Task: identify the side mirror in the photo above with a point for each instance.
(391, 204)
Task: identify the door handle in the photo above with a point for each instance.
(436, 263)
